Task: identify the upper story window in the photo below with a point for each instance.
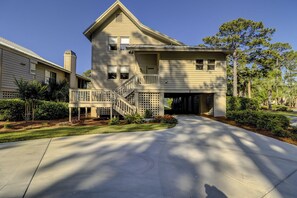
(32, 68)
(211, 64)
(119, 17)
(125, 41)
(50, 76)
(112, 43)
(112, 72)
(124, 71)
(199, 64)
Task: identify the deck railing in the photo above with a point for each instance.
(150, 79)
(94, 96)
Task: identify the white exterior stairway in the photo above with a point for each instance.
(116, 100)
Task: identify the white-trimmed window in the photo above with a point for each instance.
(113, 43)
(50, 76)
(119, 17)
(47, 76)
(199, 64)
(112, 72)
(124, 72)
(211, 64)
(125, 41)
(32, 68)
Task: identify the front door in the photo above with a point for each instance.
(151, 70)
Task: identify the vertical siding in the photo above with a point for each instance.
(101, 56)
(14, 66)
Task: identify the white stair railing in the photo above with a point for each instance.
(127, 87)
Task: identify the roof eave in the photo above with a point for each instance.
(88, 32)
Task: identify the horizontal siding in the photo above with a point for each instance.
(182, 74)
(101, 56)
(14, 67)
(40, 72)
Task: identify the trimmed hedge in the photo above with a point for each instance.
(277, 124)
(12, 109)
(47, 110)
(240, 103)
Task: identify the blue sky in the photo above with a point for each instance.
(49, 27)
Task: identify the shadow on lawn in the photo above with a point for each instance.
(181, 162)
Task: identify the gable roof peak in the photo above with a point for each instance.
(119, 5)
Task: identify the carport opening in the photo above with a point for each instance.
(188, 103)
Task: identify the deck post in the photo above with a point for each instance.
(111, 112)
(86, 112)
(70, 111)
(78, 116)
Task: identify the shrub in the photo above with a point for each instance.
(169, 119)
(47, 110)
(114, 121)
(260, 119)
(240, 103)
(148, 113)
(278, 131)
(12, 109)
(294, 129)
(280, 108)
(134, 119)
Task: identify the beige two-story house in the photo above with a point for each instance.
(135, 68)
(17, 62)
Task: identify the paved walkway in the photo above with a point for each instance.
(197, 158)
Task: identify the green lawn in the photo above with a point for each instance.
(51, 132)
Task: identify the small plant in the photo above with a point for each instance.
(148, 113)
(114, 121)
(134, 119)
(168, 119)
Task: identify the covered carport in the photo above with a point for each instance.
(189, 103)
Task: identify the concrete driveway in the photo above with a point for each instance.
(197, 158)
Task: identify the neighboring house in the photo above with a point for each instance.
(17, 62)
(135, 68)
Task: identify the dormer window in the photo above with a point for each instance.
(119, 17)
(125, 41)
(112, 43)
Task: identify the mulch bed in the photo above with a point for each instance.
(253, 129)
(23, 125)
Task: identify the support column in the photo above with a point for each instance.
(111, 112)
(219, 104)
(136, 100)
(161, 104)
(70, 114)
(86, 112)
(78, 116)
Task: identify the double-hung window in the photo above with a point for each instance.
(199, 64)
(112, 43)
(112, 72)
(124, 71)
(211, 64)
(125, 41)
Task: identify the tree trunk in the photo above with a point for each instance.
(269, 99)
(235, 73)
(249, 89)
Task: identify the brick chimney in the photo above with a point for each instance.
(70, 65)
